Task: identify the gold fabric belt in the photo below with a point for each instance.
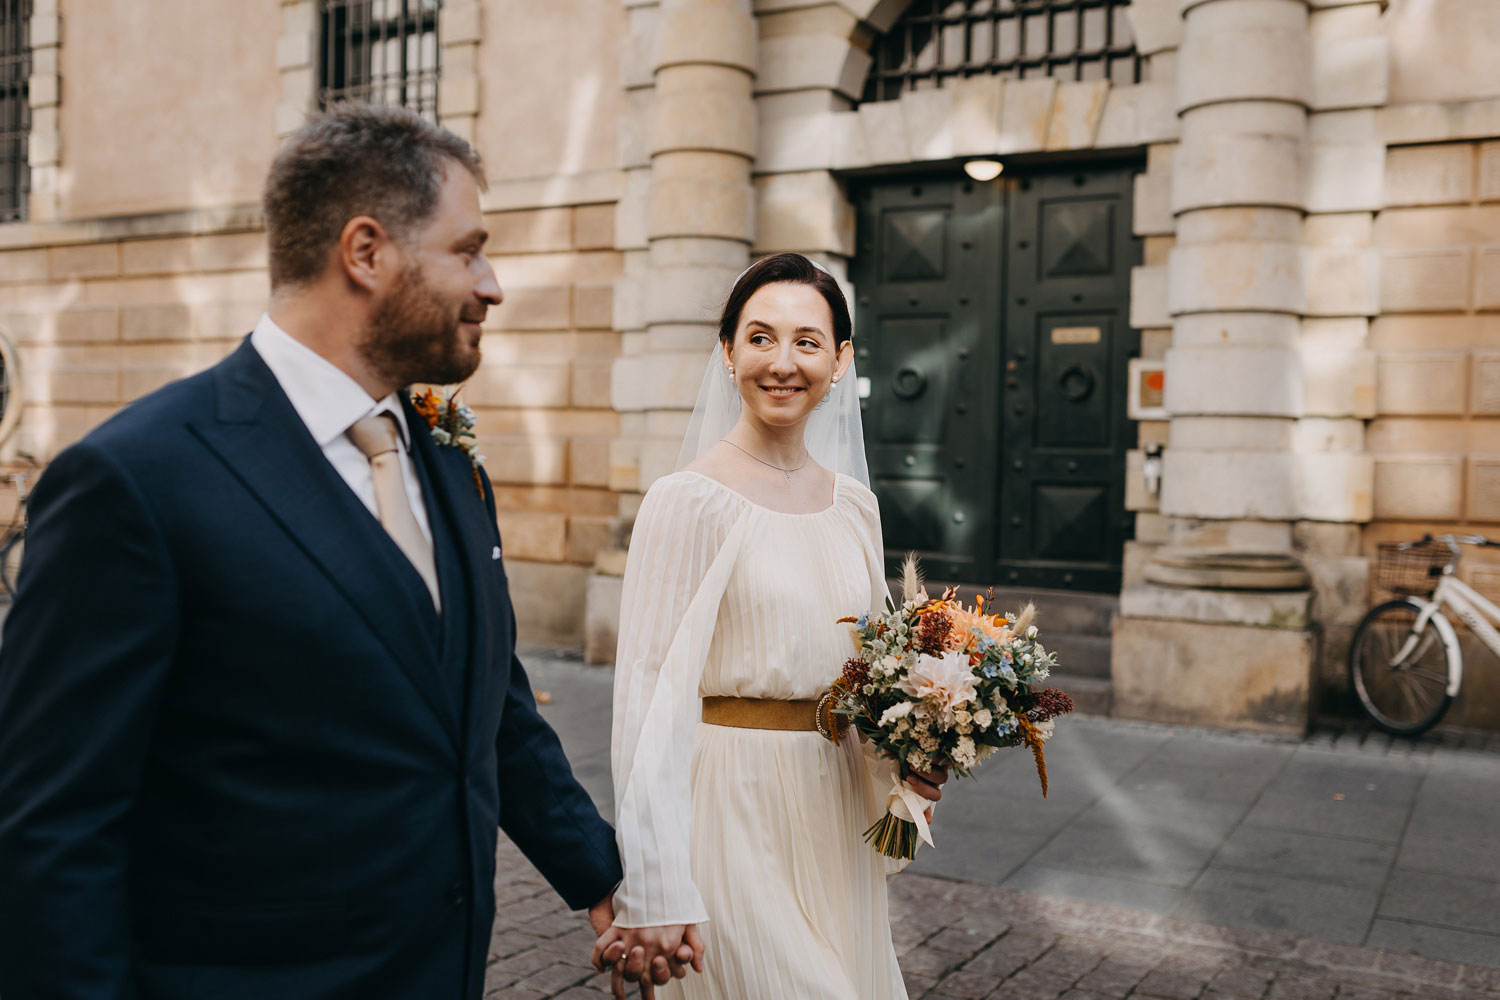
(761, 713)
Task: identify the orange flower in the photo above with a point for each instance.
(966, 623)
(429, 404)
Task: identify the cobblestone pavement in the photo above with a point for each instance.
(974, 942)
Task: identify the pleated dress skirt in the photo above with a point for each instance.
(796, 899)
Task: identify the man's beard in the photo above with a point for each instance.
(413, 337)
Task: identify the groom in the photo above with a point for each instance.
(260, 710)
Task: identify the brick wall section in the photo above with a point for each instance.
(98, 324)
(1436, 434)
(543, 405)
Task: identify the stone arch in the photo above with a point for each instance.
(812, 66)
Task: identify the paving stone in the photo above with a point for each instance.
(1096, 887)
(1439, 942)
(1172, 985)
(1241, 981)
(1461, 903)
(917, 985)
(967, 985)
(1294, 987)
(1086, 930)
(1336, 912)
(1341, 860)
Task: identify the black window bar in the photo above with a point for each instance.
(15, 107)
(382, 51)
(939, 40)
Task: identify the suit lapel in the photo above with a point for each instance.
(468, 582)
(257, 433)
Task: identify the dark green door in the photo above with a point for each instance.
(927, 292)
(992, 324)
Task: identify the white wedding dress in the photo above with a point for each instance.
(755, 835)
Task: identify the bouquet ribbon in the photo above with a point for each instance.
(903, 802)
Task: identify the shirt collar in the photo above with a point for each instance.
(328, 400)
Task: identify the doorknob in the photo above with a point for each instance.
(1076, 383)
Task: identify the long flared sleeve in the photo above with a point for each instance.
(881, 772)
(684, 545)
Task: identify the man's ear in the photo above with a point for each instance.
(364, 248)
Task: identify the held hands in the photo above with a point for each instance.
(648, 956)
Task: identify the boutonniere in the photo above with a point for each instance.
(451, 424)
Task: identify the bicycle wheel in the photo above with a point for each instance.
(1399, 676)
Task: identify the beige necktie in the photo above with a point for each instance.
(379, 438)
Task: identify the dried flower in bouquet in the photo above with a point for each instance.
(937, 684)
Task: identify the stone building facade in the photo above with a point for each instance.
(1236, 291)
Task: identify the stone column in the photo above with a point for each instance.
(699, 213)
(1197, 641)
(686, 222)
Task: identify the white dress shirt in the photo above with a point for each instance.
(329, 403)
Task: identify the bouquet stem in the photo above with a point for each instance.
(893, 837)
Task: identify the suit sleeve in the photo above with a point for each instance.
(543, 808)
(87, 647)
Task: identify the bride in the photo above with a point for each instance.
(739, 825)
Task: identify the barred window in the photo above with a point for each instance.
(15, 107)
(382, 51)
(938, 40)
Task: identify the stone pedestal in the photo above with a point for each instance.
(1225, 676)
(1215, 628)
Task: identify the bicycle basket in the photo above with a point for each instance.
(1413, 571)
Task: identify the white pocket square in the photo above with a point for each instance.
(495, 552)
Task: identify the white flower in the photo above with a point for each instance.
(900, 710)
(1044, 729)
(942, 682)
(983, 718)
(962, 717)
(965, 754)
(1031, 632)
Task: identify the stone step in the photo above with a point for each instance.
(1091, 695)
(1079, 655)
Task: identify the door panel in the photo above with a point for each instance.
(924, 337)
(1067, 340)
(992, 323)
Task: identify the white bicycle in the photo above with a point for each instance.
(1405, 663)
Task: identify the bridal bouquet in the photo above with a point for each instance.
(936, 684)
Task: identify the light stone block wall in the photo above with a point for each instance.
(143, 260)
(1435, 436)
(166, 106)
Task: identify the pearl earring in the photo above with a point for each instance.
(731, 371)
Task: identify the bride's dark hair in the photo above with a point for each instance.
(791, 267)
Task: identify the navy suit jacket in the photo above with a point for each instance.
(241, 755)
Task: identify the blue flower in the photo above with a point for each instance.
(864, 620)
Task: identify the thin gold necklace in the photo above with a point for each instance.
(783, 471)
